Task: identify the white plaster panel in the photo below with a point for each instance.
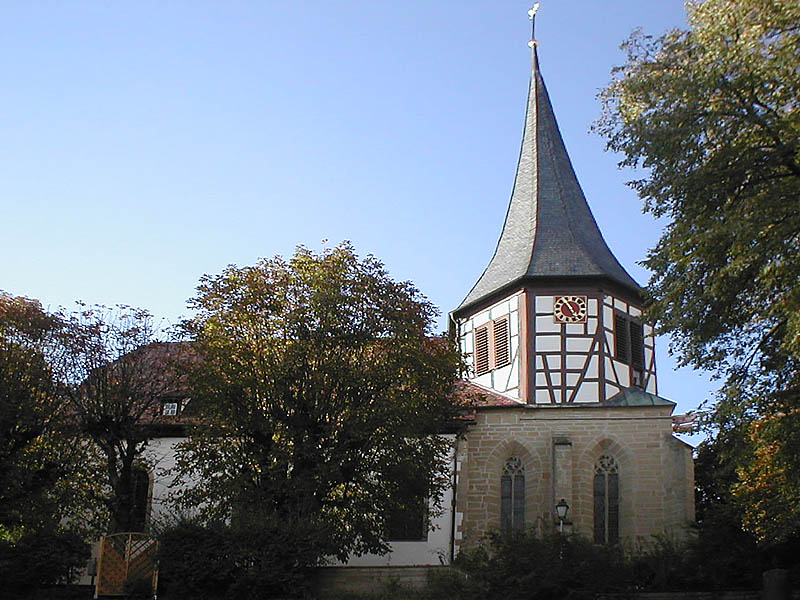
(623, 373)
(610, 341)
(591, 326)
(620, 305)
(651, 385)
(513, 323)
(480, 319)
(544, 304)
(501, 378)
(542, 397)
(548, 343)
(648, 357)
(611, 390)
(592, 308)
(588, 392)
(539, 362)
(484, 380)
(635, 312)
(466, 325)
(575, 362)
(608, 301)
(556, 379)
(541, 380)
(572, 379)
(513, 302)
(592, 371)
(500, 309)
(575, 328)
(466, 343)
(648, 330)
(608, 316)
(512, 379)
(547, 324)
(554, 362)
(579, 344)
(609, 370)
(557, 395)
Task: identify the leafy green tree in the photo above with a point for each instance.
(317, 378)
(42, 478)
(712, 116)
(116, 373)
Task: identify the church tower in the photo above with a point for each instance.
(554, 318)
(562, 372)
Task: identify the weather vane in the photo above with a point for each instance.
(532, 16)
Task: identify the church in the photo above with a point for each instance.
(568, 420)
(566, 430)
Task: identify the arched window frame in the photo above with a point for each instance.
(512, 496)
(140, 505)
(606, 500)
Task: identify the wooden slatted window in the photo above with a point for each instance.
(482, 350)
(606, 501)
(622, 337)
(502, 342)
(512, 497)
(629, 344)
(637, 345)
(492, 346)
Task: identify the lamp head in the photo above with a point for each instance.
(561, 509)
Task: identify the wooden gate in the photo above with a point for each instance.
(126, 558)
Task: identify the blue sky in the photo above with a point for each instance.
(147, 143)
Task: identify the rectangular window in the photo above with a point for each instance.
(629, 344)
(482, 350)
(492, 346)
(407, 520)
(169, 409)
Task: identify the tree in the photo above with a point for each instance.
(712, 115)
(40, 458)
(116, 373)
(318, 382)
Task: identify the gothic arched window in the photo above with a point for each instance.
(512, 496)
(140, 505)
(606, 500)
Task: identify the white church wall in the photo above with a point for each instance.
(435, 550)
(504, 379)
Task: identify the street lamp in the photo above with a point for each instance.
(561, 510)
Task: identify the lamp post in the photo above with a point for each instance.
(561, 510)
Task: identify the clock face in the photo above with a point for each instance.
(570, 309)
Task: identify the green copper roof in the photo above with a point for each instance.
(634, 396)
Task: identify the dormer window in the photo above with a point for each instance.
(492, 346)
(169, 409)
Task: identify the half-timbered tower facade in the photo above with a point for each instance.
(564, 365)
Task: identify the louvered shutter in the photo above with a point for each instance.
(500, 337)
(637, 346)
(622, 338)
(482, 350)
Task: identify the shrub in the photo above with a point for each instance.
(257, 559)
(548, 567)
(39, 559)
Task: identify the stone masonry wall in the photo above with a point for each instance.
(559, 446)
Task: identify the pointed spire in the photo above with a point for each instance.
(549, 231)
